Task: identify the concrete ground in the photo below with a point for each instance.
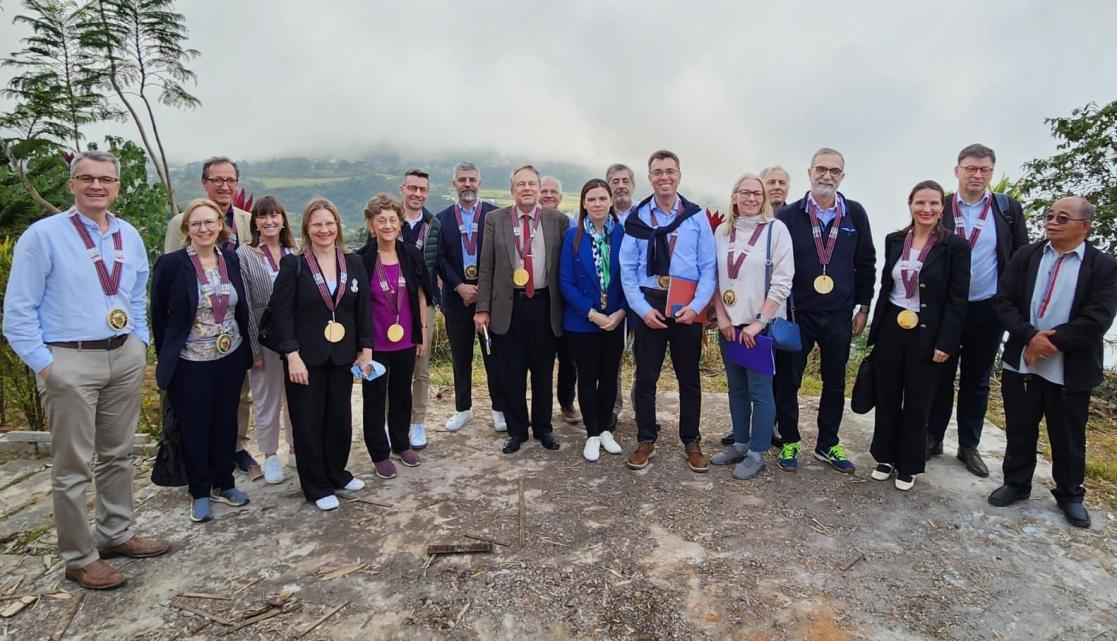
(663, 553)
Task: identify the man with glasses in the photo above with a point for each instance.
(1057, 299)
(220, 176)
(993, 224)
(835, 273)
(75, 311)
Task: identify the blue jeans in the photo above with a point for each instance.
(750, 398)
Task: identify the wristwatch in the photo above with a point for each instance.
(863, 309)
(763, 319)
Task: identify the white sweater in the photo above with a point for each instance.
(748, 287)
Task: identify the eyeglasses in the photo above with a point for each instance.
(973, 171)
(416, 189)
(660, 173)
(86, 179)
(833, 171)
(748, 193)
(217, 182)
(329, 224)
(1062, 219)
(209, 223)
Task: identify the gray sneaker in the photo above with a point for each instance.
(750, 467)
(733, 454)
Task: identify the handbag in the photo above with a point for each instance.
(170, 466)
(864, 396)
(784, 332)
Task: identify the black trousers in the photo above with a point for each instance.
(903, 396)
(981, 338)
(567, 372)
(832, 332)
(322, 427)
(392, 389)
(205, 395)
(528, 346)
(598, 359)
(462, 336)
(1029, 398)
(649, 350)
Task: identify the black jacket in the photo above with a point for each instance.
(299, 315)
(174, 304)
(944, 283)
(414, 274)
(1010, 237)
(450, 258)
(1081, 339)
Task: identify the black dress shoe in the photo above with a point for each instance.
(612, 425)
(973, 462)
(934, 448)
(728, 439)
(1006, 495)
(512, 445)
(777, 440)
(1076, 514)
(548, 441)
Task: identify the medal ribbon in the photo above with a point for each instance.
(469, 239)
(735, 262)
(910, 278)
(393, 296)
(219, 297)
(960, 223)
(1049, 290)
(110, 284)
(271, 261)
(824, 251)
(424, 229)
(523, 243)
(320, 281)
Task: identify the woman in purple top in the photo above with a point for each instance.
(399, 289)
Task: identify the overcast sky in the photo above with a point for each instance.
(731, 86)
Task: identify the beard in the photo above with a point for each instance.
(825, 191)
(622, 203)
(467, 196)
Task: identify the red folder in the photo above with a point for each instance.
(679, 294)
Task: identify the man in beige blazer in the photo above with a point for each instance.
(219, 180)
(520, 306)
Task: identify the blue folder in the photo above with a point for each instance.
(760, 359)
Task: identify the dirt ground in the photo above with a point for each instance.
(608, 553)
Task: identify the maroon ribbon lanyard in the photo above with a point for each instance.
(1049, 290)
(422, 239)
(394, 302)
(271, 261)
(110, 284)
(469, 239)
(523, 245)
(825, 251)
(220, 301)
(320, 281)
(910, 278)
(960, 223)
(736, 261)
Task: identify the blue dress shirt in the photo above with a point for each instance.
(983, 255)
(467, 223)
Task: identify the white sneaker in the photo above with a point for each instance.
(291, 461)
(418, 436)
(499, 424)
(273, 470)
(327, 503)
(904, 483)
(592, 449)
(609, 443)
(459, 420)
(354, 485)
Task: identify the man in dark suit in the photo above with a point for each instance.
(993, 225)
(519, 303)
(460, 238)
(1057, 299)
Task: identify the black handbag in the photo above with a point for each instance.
(864, 396)
(783, 332)
(170, 466)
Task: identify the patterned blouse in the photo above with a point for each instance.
(201, 345)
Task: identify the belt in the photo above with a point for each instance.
(520, 292)
(102, 344)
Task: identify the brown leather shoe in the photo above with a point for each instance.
(639, 458)
(696, 459)
(98, 575)
(136, 548)
(973, 462)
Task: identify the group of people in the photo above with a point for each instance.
(241, 314)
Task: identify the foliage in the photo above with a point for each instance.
(1086, 165)
(46, 171)
(141, 202)
(18, 388)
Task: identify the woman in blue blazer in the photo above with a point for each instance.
(593, 318)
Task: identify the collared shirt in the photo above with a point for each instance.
(694, 258)
(54, 294)
(467, 224)
(234, 239)
(538, 245)
(983, 256)
(827, 216)
(1058, 307)
(623, 215)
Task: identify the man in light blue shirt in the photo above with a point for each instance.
(668, 244)
(75, 310)
(622, 182)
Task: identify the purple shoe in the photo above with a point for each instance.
(409, 458)
(385, 469)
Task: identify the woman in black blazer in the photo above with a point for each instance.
(199, 316)
(917, 325)
(399, 316)
(321, 326)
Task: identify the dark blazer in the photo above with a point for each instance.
(299, 315)
(1081, 339)
(499, 259)
(414, 274)
(944, 284)
(1009, 237)
(450, 257)
(578, 281)
(174, 304)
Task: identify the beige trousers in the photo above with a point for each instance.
(92, 403)
(269, 399)
(420, 382)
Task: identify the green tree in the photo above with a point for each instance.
(141, 202)
(1085, 165)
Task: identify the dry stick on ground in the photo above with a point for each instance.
(274, 612)
(854, 561)
(820, 528)
(205, 595)
(461, 613)
(478, 537)
(337, 573)
(358, 499)
(245, 586)
(321, 620)
(17, 606)
(522, 513)
(459, 548)
(67, 617)
(47, 593)
(200, 612)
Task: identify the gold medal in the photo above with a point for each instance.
(907, 319)
(471, 272)
(395, 332)
(824, 284)
(520, 277)
(117, 319)
(729, 297)
(334, 331)
(664, 282)
(224, 343)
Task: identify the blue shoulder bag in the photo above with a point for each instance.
(784, 332)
